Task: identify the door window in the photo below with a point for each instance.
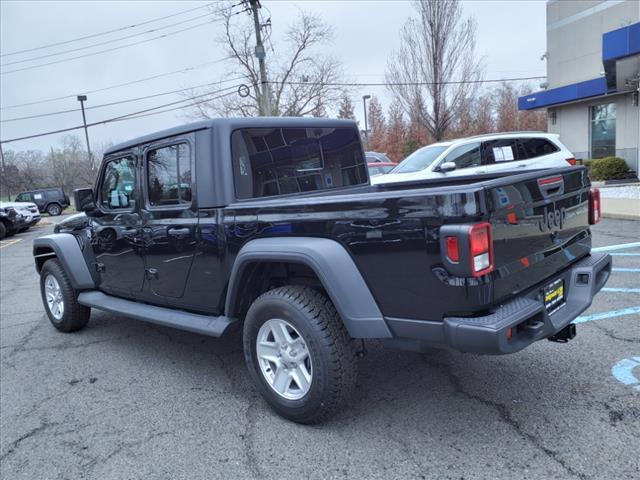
(536, 147)
(603, 130)
(118, 184)
(465, 156)
(24, 197)
(169, 176)
(502, 150)
(279, 161)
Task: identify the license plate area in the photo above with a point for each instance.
(554, 296)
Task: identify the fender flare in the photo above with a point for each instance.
(335, 269)
(66, 249)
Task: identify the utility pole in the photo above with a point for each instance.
(2, 172)
(366, 127)
(265, 101)
(82, 99)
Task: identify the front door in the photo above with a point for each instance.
(116, 230)
(169, 216)
(503, 155)
(467, 159)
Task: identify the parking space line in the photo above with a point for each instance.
(621, 290)
(9, 243)
(621, 246)
(622, 371)
(609, 314)
(625, 269)
(625, 254)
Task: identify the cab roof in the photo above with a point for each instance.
(232, 124)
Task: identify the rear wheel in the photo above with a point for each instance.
(54, 210)
(299, 353)
(60, 299)
(3, 231)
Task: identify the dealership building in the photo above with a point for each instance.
(593, 71)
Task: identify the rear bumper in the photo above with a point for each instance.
(524, 319)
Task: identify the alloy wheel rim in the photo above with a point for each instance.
(284, 359)
(53, 294)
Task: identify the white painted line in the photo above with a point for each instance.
(8, 243)
(625, 269)
(621, 246)
(623, 372)
(625, 254)
(621, 290)
(610, 314)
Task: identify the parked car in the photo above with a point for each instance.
(376, 157)
(10, 222)
(282, 234)
(28, 210)
(380, 168)
(483, 154)
(50, 200)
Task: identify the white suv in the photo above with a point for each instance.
(491, 153)
(28, 210)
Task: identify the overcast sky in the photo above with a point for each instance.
(510, 37)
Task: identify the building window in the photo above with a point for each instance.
(603, 130)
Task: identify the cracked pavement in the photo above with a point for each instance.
(125, 399)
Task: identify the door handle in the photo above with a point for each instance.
(177, 232)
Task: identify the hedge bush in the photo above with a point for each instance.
(608, 168)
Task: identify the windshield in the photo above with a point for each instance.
(419, 160)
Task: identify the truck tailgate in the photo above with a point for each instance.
(540, 226)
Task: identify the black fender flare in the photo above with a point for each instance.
(335, 269)
(66, 249)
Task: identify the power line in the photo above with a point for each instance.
(106, 32)
(119, 102)
(109, 49)
(106, 42)
(153, 77)
(132, 115)
(397, 84)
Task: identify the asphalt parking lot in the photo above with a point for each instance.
(123, 399)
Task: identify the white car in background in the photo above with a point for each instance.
(482, 154)
(28, 210)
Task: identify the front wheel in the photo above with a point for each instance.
(54, 210)
(299, 353)
(60, 299)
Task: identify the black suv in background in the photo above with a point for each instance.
(50, 200)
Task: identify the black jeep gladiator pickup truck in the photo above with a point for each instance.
(272, 224)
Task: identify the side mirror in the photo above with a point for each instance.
(83, 199)
(447, 167)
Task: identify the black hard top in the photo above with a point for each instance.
(232, 124)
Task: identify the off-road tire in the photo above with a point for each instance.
(331, 349)
(54, 209)
(75, 316)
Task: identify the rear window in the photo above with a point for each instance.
(280, 161)
(536, 147)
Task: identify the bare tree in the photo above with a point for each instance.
(300, 77)
(437, 48)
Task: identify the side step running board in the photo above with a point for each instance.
(168, 317)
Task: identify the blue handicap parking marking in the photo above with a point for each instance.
(622, 246)
(635, 311)
(623, 372)
(621, 290)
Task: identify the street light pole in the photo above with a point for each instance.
(82, 99)
(366, 127)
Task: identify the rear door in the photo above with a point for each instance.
(169, 216)
(502, 155)
(539, 153)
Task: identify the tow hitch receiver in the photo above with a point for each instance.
(564, 335)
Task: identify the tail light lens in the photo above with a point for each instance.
(481, 249)
(594, 206)
(453, 250)
(572, 161)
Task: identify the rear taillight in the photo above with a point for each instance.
(453, 250)
(481, 249)
(594, 206)
(572, 161)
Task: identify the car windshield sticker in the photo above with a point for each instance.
(37, 196)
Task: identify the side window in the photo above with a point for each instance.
(279, 161)
(502, 150)
(52, 195)
(536, 147)
(169, 175)
(118, 184)
(24, 197)
(465, 156)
